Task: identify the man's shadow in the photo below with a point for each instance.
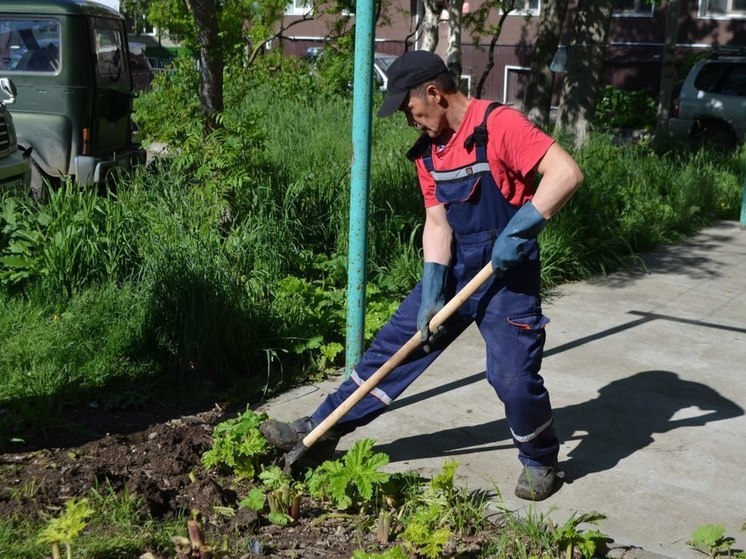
(622, 420)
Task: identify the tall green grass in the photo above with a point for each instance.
(221, 268)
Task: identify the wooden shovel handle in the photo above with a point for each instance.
(395, 360)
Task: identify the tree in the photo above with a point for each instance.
(430, 22)
(668, 68)
(478, 22)
(453, 57)
(218, 30)
(137, 13)
(585, 62)
(538, 98)
(211, 61)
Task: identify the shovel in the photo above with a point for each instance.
(394, 361)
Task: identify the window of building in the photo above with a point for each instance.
(528, 7)
(298, 8)
(723, 8)
(632, 8)
(522, 7)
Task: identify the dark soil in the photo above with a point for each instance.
(161, 463)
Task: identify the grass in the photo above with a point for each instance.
(116, 529)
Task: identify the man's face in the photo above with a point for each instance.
(424, 112)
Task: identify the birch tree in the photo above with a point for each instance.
(453, 58)
(430, 33)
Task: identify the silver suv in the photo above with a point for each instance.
(710, 109)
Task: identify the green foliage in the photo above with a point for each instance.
(421, 535)
(437, 512)
(352, 480)
(169, 111)
(617, 108)
(254, 500)
(392, 553)
(77, 238)
(711, 540)
(241, 23)
(238, 445)
(335, 67)
(569, 538)
(68, 525)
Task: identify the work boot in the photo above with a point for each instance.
(536, 483)
(286, 436)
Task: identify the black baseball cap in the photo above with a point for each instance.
(409, 70)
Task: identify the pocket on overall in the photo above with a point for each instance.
(527, 340)
(456, 191)
(529, 322)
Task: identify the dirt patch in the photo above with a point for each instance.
(161, 463)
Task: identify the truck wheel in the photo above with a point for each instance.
(39, 182)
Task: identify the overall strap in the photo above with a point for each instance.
(479, 136)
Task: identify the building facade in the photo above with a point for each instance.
(633, 53)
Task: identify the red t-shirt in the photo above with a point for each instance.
(514, 147)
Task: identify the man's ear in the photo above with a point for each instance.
(432, 92)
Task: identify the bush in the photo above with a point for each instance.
(617, 108)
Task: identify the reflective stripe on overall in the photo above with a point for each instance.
(507, 311)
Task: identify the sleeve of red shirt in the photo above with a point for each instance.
(427, 184)
(514, 140)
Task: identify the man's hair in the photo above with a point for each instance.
(443, 81)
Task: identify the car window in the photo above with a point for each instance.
(108, 46)
(29, 45)
(735, 84)
(710, 77)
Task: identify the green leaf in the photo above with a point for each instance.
(278, 518)
(254, 500)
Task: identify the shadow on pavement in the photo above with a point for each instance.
(620, 421)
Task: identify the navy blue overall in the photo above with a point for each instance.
(507, 311)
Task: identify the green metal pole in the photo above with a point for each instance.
(360, 181)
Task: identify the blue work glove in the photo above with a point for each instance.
(433, 298)
(511, 245)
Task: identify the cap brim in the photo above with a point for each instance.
(392, 103)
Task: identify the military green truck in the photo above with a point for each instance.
(68, 60)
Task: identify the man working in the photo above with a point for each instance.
(477, 163)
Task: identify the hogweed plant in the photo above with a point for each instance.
(710, 540)
(238, 445)
(279, 492)
(352, 480)
(66, 527)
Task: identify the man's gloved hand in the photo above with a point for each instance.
(433, 298)
(510, 245)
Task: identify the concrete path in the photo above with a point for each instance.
(647, 373)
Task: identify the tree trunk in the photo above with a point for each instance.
(430, 25)
(491, 51)
(538, 98)
(205, 16)
(453, 59)
(585, 63)
(668, 69)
